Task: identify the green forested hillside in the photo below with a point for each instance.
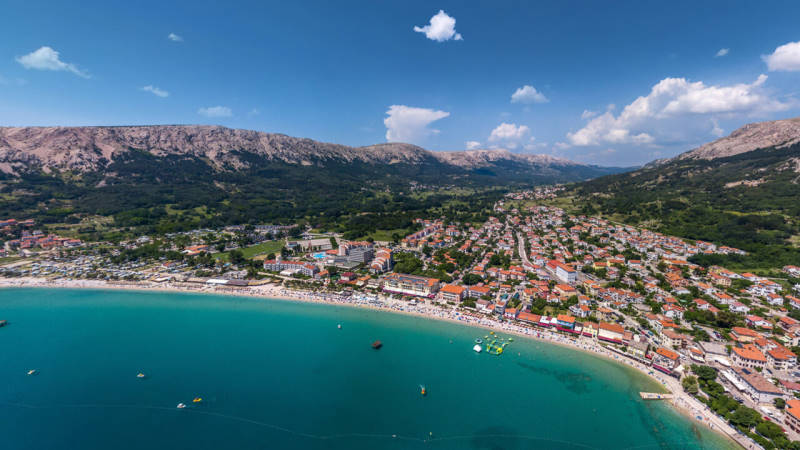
(153, 194)
(749, 201)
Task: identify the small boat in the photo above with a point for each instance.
(140, 375)
(340, 326)
(32, 372)
(3, 323)
(477, 348)
(423, 391)
(479, 341)
(510, 339)
(181, 405)
(377, 345)
(197, 400)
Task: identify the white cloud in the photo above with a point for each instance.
(528, 94)
(670, 111)
(784, 58)
(532, 145)
(215, 111)
(45, 58)
(410, 124)
(722, 52)
(561, 146)
(253, 112)
(472, 145)
(155, 91)
(441, 28)
(586, 114)
(716, 130)
(509, 135)
(174, 37)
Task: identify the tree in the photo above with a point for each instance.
(769, 430)
(780, 403)
(236, 257)
(745, 417)
(471, 279)
(334, 244)
(689, 383)
(705, 373)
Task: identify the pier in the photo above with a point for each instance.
(655, 396)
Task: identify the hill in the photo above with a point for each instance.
(741, 190)
(173, 177)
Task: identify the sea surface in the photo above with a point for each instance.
(281, 375)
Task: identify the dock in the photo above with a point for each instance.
(655, 396)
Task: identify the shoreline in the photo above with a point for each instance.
(682, 403)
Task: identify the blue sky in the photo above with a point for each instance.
(360, 73)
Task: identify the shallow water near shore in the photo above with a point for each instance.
(278, 374)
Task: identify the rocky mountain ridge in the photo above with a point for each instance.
(84, 149)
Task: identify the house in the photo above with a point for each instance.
(675, 340)
(528, 317)
(787, 322)
(452, 293)
(792, 416)
(478, 291)
(566, 273)
(748, 357)
(510, 313)
(701, 304)
(740, 307)
(565, 321)
(564, 290)
(744, 335)
(610, 332)
(673, 311)
(780, 358)
(581, 311)
(290, 267)
(755, 386)
(410, 285)
(757, 322)
(665, 360)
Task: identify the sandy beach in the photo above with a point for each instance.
(682, 402)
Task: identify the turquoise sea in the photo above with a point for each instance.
(281, 375)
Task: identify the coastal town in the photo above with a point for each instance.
(723, 343)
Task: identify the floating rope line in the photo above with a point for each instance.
(319, 437)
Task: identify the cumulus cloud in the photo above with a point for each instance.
(441, 28)
(215, 111)
(586, 114)
(785, 58)
(410, 124)
(509, 135)
(174, 37)
(155, 91)
(671, 109)
(472, 145)
(528, 94)
(722, 52)
(45, 58)
(716, 130)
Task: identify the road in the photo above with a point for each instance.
(521, 248)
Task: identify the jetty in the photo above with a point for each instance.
(655, 396)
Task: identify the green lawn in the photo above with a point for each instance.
(385, 235)
(263, 248)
